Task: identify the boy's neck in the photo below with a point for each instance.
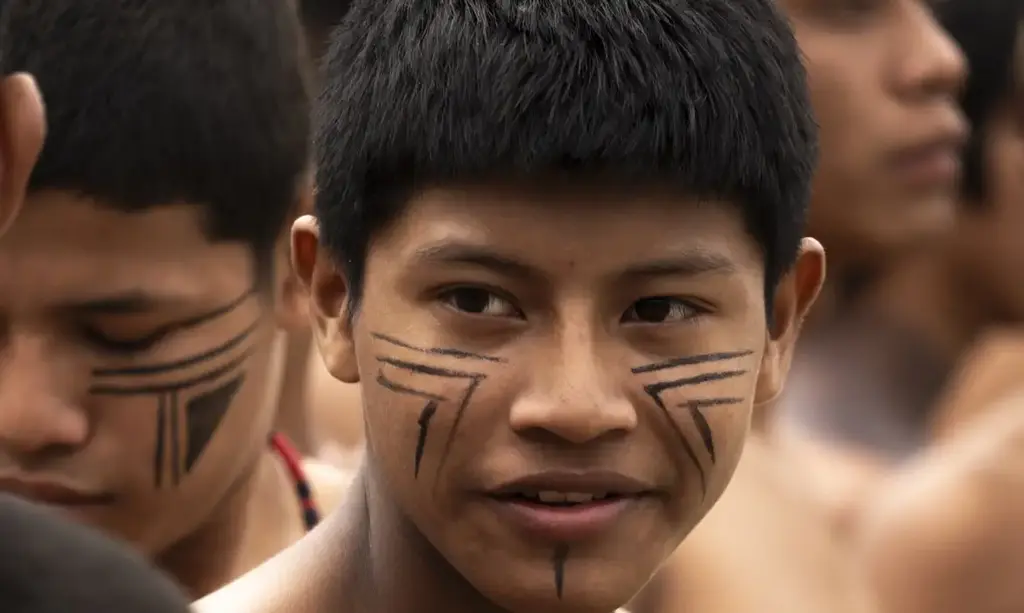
(259, 517)
(383, 564)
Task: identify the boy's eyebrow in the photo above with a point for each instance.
(688, 263)
(452, 252)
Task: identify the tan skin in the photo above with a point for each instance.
(83, 287)
(569, 323)
(883, 76)
(22, 128)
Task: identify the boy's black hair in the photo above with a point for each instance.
(987, 32)
(709, 95)
(157, 102)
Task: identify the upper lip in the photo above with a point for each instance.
(51, 491)
(584, 482)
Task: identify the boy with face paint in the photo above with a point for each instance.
(560, 245)
(138, 286)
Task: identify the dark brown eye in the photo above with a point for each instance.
(658, 310)
(479, 301)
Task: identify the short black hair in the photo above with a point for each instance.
(987, 32)
(157, 102)
(709, 95)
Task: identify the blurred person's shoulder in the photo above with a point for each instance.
(988, 373)
(943, 535)
(766, 545)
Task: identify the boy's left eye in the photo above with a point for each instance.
(659, 310)
(479, 301)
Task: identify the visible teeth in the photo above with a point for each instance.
(574, 497)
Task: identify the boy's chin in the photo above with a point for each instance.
(600, 588)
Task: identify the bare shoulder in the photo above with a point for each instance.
(329, 483)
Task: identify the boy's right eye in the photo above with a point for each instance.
(479, 301)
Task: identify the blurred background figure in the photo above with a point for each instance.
(941, 400)
(869, 391)
(142, 289)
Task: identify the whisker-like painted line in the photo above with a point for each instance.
(704, 403)
(687, 447)
(421, 442)
(459, 413)
(695, 406)
(178, 364)
(398, 388)
(138, 390)
(424, 369)
(176, 417)
(158, 454)
(452, 353)
(707, 377)
(690, 360)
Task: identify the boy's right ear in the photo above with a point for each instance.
(329, 306)
(22, 129)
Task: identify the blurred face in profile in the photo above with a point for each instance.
(884, 80)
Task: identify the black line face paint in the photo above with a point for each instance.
(421, 441)
(558, 561)
(192, 394)
(453, 353)
(433, 400)
(690, 360)
(204, 414)
(694, 407)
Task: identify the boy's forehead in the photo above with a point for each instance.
(613, 228)
(69, 249)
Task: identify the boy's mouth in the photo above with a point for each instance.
(557, 499)
(564, 507)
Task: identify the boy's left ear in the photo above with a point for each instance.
(794, 297)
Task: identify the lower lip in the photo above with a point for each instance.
(566, 523)
(940, 167)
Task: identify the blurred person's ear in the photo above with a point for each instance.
(22, 129)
